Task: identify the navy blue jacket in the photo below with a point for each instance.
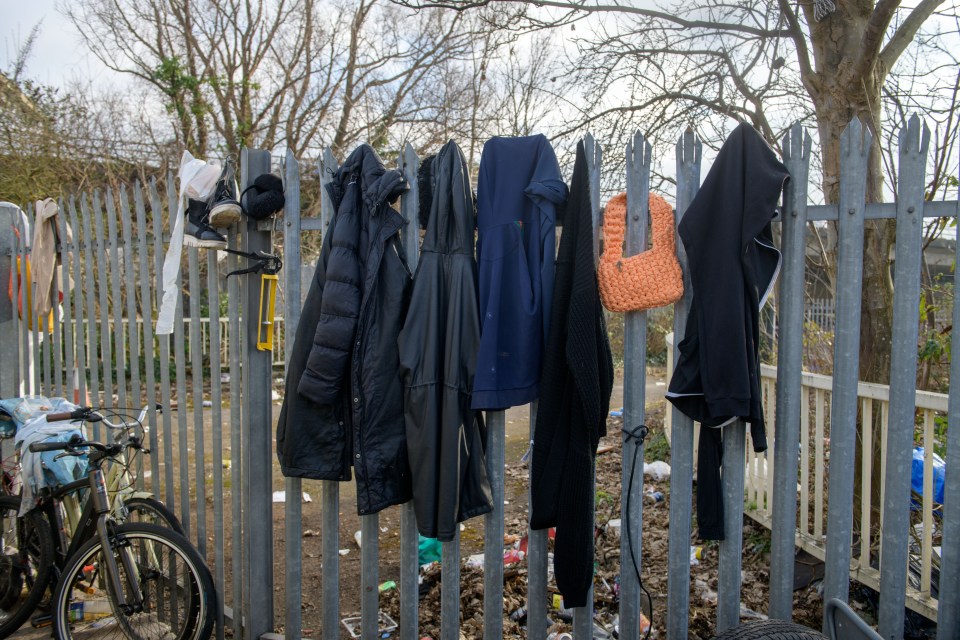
(518, 193)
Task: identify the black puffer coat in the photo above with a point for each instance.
(438, 358)
(344, 398)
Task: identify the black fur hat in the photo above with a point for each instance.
(264, 197)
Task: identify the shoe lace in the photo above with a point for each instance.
(225, 188)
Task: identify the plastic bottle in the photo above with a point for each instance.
(653, 497)
(87, 610)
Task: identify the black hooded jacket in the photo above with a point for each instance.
(733, 264)
(575, 391)
(438, 358)
(344, 399)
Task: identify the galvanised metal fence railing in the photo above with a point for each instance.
(814, 456)
(215, 465)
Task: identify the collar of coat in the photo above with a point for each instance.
(377, 183)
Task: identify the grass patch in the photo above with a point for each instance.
(656, 447)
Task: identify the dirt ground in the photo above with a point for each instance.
(515, 517)
(703, 579)
(654, 562)
(703, 575)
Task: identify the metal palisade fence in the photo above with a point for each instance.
(214, 464)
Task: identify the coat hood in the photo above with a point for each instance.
(451, 220)
(377, 183)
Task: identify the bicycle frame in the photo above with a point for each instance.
(92, 521)
(91, 509)
(119, 480)
(120, 487)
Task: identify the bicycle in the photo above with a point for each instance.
(127, 503)
(150, 582)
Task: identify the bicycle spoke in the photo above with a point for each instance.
(165, 595)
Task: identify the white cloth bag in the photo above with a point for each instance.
(197, 181)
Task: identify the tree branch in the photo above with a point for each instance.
(580, 5)
(873, 37)
(905, 33)
(725, 109)
(809, 77)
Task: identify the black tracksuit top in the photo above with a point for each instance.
(733, 264)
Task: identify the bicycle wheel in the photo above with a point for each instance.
(26, 563)
(168, 589)
(152, 511)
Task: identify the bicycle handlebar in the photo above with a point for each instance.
(83, 413)
(71, 444)
(88, 414)
(39, 447)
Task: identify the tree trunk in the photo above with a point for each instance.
(840, 97)
(841, 94)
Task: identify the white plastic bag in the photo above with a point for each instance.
(197, 181)
(658, 470)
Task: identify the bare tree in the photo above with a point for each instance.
(221, 67)
(763, 63)
(300, 73)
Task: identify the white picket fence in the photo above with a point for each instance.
(873, 399)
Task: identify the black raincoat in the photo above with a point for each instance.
(344, 399)
(438, 358)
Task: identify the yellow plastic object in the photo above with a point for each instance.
(268, 293)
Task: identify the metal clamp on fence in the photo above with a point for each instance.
(268, 266)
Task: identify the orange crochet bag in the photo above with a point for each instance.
(649, 279)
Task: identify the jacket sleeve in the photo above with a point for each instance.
(329, 357)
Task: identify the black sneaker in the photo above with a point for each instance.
(224, 206)
(198, 232)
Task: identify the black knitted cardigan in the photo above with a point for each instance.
(575, 387)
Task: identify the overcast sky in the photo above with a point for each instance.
(58, 55)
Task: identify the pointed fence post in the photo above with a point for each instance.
(537, 558)
(9, 319)
(257, 421)
(493, 529)
(67, 321)
(790, 299)
(639, 153)
(731, 547)
(895, 538)
(948, 613)
(409, 535)
(330, 488)
(293, 509)
(689, 153)
(583, 616)
(854, 153)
